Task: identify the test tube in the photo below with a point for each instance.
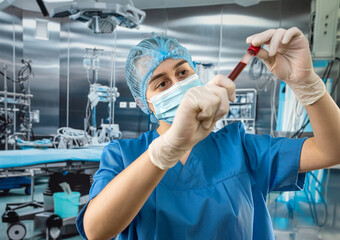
(251, 52)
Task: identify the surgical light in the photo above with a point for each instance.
(101, 17)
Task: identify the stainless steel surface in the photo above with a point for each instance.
(5, 4)
(11, 42)
(198, 29)
(11, 46)
(45, 64)
(31, 5)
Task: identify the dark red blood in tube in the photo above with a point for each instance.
(237, 70)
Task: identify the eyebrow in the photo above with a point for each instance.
(179, 64)
(163, 74)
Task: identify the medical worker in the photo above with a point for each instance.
(183, 181)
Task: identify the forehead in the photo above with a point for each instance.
(166, 65)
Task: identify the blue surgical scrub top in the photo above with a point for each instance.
(220, 193)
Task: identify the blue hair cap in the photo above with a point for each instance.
(144, 58)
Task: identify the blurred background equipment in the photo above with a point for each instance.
(101, 17)
(243, 109)
(16, 116)
(323, 28)
(93, 134)
(99, 94)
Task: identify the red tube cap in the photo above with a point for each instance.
(255, 49)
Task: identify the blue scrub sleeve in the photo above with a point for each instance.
(111, 164)
(274, 162)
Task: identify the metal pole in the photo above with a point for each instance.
(14, 78)
(111, 102)
(29, 110)
(68, 78)
(32, 184)
(85, 126)
(17, 94)
(114, 77)
(6, 111)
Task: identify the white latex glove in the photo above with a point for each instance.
(195, 118)
(289, 59)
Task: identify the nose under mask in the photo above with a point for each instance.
(167, 102)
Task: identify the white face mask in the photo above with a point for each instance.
(167, 102)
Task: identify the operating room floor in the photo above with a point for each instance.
(19, 196)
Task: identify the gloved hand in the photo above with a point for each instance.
(195, 118)
(289, 59)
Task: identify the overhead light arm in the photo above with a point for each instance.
(42, 7)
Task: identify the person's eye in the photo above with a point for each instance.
(183, 73)
(161, 85)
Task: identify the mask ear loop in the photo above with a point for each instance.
(153, 118)
(151, 112)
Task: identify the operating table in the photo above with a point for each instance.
(43, 162)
